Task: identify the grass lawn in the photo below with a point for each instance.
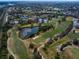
(34, 24)
(75, 52)
(61, 41)
(51, 33)
(19, 47)
(24, 25)
(73, 35)
(51, 50)
(37, 24)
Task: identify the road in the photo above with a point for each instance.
(2, 23)
(3, 17)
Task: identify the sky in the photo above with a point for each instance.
(39, 0)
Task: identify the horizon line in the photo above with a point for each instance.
(37, 1)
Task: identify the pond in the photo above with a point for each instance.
(27, 32)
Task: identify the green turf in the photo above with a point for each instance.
(51, 50)
(75, 52)
(19, 47)
(73, 35)
(51, 33)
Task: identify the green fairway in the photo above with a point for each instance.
(19, 47)
(51, 33)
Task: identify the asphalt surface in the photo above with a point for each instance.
(2, 17)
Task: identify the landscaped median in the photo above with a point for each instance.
(19, 48)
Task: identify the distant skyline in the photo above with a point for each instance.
(40, 0)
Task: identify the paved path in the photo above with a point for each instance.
(9, 45)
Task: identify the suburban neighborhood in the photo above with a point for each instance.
(39, 30)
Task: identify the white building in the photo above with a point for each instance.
(76, 25)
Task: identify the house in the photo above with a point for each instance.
(76, 25)
(45, 20)
(42, 20)
(24, 17)
(13, 22)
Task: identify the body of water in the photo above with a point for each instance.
(27, 32)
